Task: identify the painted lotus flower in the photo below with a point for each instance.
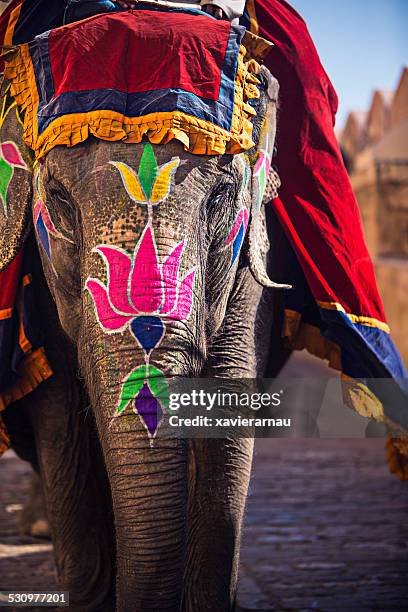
(151, 183)
(141, 294)
(43, 223)
(10, 158)
(237, 235)
(263, 162)
(140, 291)
(261, 171)
(45, 227)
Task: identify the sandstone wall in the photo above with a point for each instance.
(392, 277)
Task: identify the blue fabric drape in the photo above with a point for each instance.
(38, 16)
(81, 9)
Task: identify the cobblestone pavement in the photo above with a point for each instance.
(326, 529)
(25, 563)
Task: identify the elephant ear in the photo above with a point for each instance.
(16, 171)
(265, 181)
(19, 353)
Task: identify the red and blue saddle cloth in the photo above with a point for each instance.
(185, 78)
(335, 310)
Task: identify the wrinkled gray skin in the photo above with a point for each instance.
(152, 528)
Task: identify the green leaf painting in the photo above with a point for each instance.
(147, 169)
(158, 386)
(6, 173)
(155, 380)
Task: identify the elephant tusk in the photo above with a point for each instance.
(256, 264)
(259, 273)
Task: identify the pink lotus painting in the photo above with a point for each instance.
(141, 291)
(237, 235)
(10, 158)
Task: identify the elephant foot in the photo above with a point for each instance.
(33, 519)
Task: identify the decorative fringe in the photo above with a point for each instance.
(20, 72)
(257, 47)
(4, 437)
(397, 457)
(198, 136)
(33, 370)
(301, 336)
(356, 395)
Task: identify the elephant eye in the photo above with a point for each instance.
(62, 209)
(223, 195)
(221, 201)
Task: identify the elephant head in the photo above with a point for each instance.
(155, 260)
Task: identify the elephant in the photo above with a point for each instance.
(175, 283)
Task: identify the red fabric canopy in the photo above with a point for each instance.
(316, 206)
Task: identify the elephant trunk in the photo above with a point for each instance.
(148, 480)
(149, 498)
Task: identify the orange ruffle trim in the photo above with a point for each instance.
(34, 369)
(198, 136)
(300, 336)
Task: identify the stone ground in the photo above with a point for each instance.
(326, 529)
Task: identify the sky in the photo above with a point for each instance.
(363, 45)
